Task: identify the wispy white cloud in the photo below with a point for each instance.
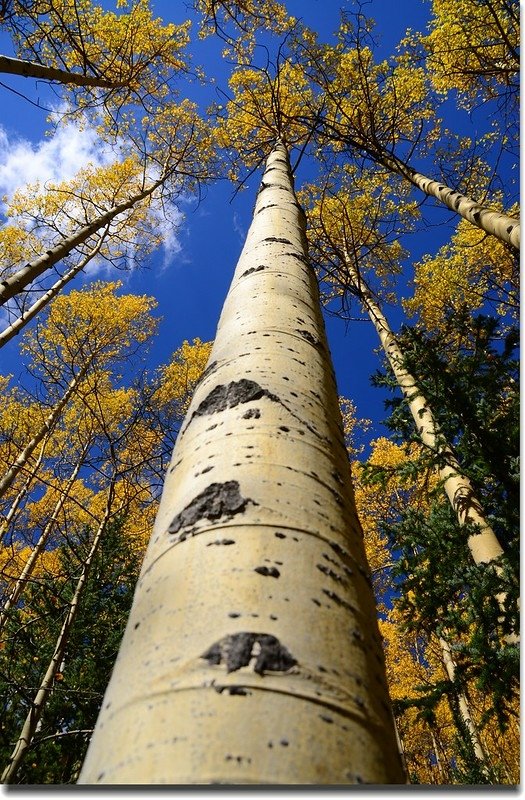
(59, 158)
(55, 159)
(238, 227)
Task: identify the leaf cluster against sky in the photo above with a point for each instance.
(190, 274)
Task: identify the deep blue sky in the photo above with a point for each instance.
(191, 291)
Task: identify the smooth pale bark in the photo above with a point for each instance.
(40, 544)
(505, 228)
(464, 708)
(11, 286)
(252, 653)
(46, 427)
(15, 505)
(15, 327)
(29, 69)
(483, 545)
(39, 701)
(439, 766)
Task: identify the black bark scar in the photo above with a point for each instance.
(254, 269)
(271, 572)
(309, 337)
(217, 500)
(230, 395)
(239, 649)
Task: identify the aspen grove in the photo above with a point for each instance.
(259, 418)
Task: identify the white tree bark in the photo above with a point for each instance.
(18, 281)
(38, 704)
(30, 69)
(483, 545)
(252, 654)
(45, 428)
(18, 324)
(505, 228)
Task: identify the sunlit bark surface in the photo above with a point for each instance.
(483, 544)
(505, 228)
(252, 653)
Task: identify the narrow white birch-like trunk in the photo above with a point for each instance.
(20, 280)
(505, 228)
(38, 704)
(464, 708)
(18, 324)
(30, 69)
(252, 653)
(46, 427)
(439, 767)
(39, 546)
(15, 505)
(483, 544)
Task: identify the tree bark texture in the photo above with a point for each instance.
(40, 699)
(30, 69)
(484, 544)
(505, 228)
(20, 280)
(252, 653)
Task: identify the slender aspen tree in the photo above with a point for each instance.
(15, 505)
(373, 109)
(29, 69)
(47, 425)
(505, 228)
(495, 223)
(252, 654)
(38, 704)
(483, 544)
(41, 542)
(464, 707)
(334, 228)
(22, 278)
(26, 316)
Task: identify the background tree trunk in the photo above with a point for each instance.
(483, 544)
(38, 704)
(26, 316)
(15, 505)
(29, 69)
(464, 708)
(40, 544)
(505, 228)
(18, 281)
(45, 428)
(252, 653)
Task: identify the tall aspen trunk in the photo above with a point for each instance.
(38, 548)
(252, 653)
(20, 280)
(38, 704)
(30, 69)
(483, 545)
(46, 427)
(15, 505)
(464, 708)
(505, 228)
(15, 327)
(439, 766)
